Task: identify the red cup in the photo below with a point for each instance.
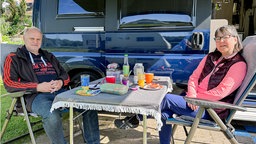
(110, 79)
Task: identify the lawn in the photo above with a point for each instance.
(17, 125)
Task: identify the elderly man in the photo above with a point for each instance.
(32, 69)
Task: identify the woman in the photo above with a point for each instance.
(214, 79)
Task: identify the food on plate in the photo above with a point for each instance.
(85, 91)
(154, 86)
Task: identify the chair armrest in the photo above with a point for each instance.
(213, 104)
(14, 94)
(182, 85)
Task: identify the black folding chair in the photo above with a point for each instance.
(217, 124)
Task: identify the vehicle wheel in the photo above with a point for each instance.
(75, 81)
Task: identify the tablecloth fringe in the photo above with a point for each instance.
(118, 109)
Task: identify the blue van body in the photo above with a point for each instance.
(87, 42)
(180, 65)
(170, 37)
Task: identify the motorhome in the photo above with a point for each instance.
(86, 36)
(170, 37)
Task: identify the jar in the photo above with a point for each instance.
(138, 69)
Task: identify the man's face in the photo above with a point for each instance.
(33, 41)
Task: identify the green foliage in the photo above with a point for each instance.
(14, 18)
(9, 40)
(5, 39)
(4, 26)
(1, 8)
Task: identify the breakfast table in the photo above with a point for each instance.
(142, 101)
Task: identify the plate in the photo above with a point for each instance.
(153, 86)
(92, 86)
(87, 92)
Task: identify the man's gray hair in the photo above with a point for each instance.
(31, 28)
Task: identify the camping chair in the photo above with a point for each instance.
(217, 124)
(19, 96)
(15, 97)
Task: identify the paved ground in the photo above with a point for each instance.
(245, 134)
(111, 135)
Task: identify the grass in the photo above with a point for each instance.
(9, 40)
(17, 125)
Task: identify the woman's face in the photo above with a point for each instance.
(225, 43)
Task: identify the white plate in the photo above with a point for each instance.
(148, 87)
(92, 86)
(88, 93)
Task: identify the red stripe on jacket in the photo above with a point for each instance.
(7, 76)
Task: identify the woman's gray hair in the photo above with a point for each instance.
(230, 30)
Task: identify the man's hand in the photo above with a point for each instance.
(57, 84)
(51, 86)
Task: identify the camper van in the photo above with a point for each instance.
(170, 37)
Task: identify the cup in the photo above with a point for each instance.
(149, 77)
(115, 73)
(110, 79)
(141, 80)
(125, 81)
(85, 80)
(141, 83)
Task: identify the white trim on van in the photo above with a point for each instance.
(88, 29)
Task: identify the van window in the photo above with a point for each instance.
(88, 7)
(160, 13)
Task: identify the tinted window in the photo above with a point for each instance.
(87, 7)
(160, 13)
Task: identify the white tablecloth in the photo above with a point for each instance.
(145, 102)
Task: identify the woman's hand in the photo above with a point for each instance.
(193, 107)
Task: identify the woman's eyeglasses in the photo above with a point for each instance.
(218, 39)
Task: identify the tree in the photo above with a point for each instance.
(1, 8)
(15, 17)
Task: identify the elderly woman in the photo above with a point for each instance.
(214, 79)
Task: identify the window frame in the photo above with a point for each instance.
(79, 15)
(192, 16)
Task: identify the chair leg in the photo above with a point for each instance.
(185, 130)
(174, 128)
(79, 119)
(194, 126)
(224, 128)
(8, 117)
(28, 121)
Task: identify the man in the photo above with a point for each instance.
(32, 69)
